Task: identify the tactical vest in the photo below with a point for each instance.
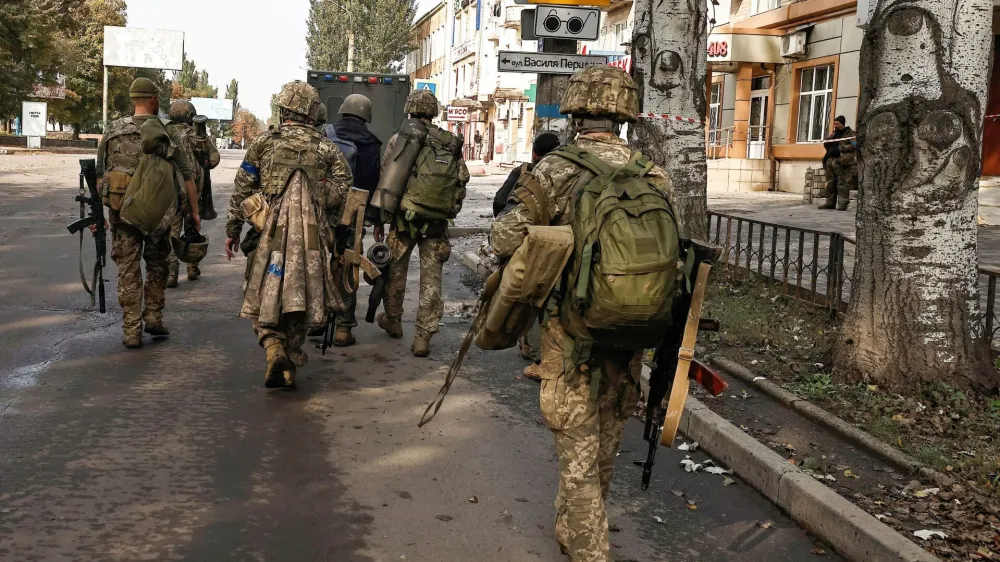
(290, 153)
(124, 146)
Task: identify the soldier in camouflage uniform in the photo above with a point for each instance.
(587, 431)
(117, 158)
(181, 114)
(431, 237)
(330, 176)
(840, 165)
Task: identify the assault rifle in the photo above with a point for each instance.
(355, 261)
(674, 363)
(97, 225)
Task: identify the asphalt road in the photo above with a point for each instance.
(177, 452)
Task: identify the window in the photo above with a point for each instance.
(760, 6)
(760, 83)
(714, 112)
(815, 103)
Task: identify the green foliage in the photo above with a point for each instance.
(193, 82)
(32, 46)
(382, 29)
(817, 385)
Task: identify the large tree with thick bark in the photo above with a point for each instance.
(914, 312)
(669, 67)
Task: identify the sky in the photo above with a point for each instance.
(260, 43)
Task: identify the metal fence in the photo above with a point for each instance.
(816, 265)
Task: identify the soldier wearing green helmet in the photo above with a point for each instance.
(117, 158)
(275, 161)
(181, 114)
(424, 223)
(587, 422)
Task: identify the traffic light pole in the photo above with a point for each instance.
(551, 88)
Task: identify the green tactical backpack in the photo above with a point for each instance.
(432, 191)
(152, 193)
(620, 286)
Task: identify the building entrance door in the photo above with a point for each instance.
(757, 127)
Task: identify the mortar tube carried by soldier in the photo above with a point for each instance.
(206, 148)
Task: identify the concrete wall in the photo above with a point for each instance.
(729, 175)
(792, 174)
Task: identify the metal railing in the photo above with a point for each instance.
(758, 141)
(718, 142)
(816, 265)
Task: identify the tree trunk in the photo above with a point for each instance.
(76, 131)
(669, 66)
(914, 312)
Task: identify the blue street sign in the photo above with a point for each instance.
(426, 85)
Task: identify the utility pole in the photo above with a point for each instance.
(444, 96)
(551, 88)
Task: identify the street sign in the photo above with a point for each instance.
(528, 25)
(559, 22)
(429, 85)
(566, 2)
(458, 113)
(546, 63)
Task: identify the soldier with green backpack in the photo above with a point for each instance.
(614, 297)
(434, 194)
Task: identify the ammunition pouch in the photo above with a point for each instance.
(115, 183)
(524, 285)
(255, 209)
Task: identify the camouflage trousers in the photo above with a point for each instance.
(128, 247)
(289, 331)
(840, 180)
(587, 434)
(433, 253)
(176, 225)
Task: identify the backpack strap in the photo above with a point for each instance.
(532, 194)
(584, 159)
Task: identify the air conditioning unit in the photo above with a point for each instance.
(793, 45)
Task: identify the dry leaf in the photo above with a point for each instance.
(727, 481)
(925, 493)
(765, 524)
(473, 499)
(819, 551)
(658, 519)
(850, 474)
(924, 534)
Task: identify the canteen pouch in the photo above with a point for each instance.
(525, 285)
(255, 209)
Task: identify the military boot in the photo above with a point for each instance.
(842, 206)
(132, 340)
(343, 337)
(194, 272)
(828, 205)
(392, 327)
(421, 344)
(156, 329)
(172, 275)
(277, 364)
(299, 357)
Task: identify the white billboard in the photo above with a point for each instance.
(34, 116)
(214, 108)
(143, 48)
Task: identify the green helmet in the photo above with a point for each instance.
(320, 114)
(299, 98)
(359, 106)
(189, 249)
(420, 103)
(182, 111)
(601, 91)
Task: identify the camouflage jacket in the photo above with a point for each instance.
(121, 147)
(559, 179)
(463, 171)
(326, 167)
(190, 141)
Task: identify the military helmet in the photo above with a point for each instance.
(191, 247)
(360, 106)
(182, 111)
(299, 98)
(320, 115)
(601, 91)
(420, 103)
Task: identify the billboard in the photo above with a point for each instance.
(143, 48)
(34, 116)
(213, 108)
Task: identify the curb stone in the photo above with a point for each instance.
(840, 426)
(853, 533)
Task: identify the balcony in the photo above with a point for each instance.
(512, 17)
